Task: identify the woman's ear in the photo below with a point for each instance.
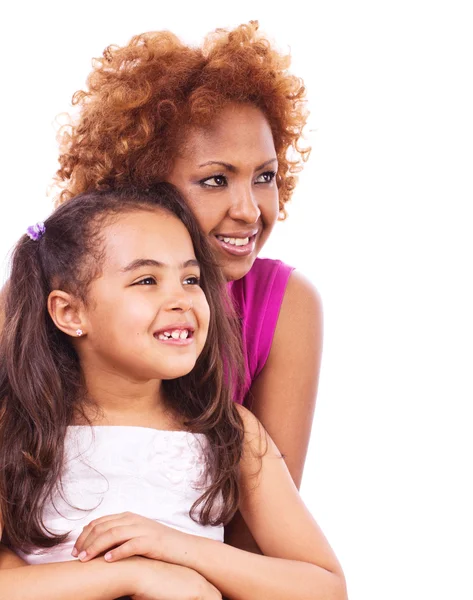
(67, 313)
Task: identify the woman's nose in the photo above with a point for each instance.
(244, 206)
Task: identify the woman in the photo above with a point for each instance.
(224, 123)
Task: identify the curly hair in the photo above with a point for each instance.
(142, 96)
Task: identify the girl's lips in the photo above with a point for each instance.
(237, 250)
(176, 342)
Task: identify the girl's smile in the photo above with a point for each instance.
(179, 334)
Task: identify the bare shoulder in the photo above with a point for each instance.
(257, 441)
(251, 424)
(301, 302)
(301, 311)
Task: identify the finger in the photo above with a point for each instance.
(214, 592)
(88, 529)
(133, 547)
(98, 526)
(112, 537)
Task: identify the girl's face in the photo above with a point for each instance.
(227, 172)
(147, 316)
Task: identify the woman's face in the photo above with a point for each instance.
(227, 173)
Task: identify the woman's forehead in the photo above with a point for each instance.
(236, 128)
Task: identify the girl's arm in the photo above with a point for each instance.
(299, 563)
(283, 396)
(9, 560)
(57, 581)
(141, 578)
(136, 577)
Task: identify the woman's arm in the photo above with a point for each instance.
(283, 396)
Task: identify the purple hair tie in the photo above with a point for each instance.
(36, 232)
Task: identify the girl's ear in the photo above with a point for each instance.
(67, 313)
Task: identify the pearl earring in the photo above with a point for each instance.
(79, 332)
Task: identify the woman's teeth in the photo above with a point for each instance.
(234, 241)
(176, 334)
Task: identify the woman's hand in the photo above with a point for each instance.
(157, 580)
(127, 534)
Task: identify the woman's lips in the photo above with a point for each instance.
(237, 245)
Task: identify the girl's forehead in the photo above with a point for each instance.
(155, 235)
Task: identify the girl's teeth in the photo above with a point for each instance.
(177, 334)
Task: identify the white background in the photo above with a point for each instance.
(380, 223)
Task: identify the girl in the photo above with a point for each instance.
(224, 123)
(118, 361)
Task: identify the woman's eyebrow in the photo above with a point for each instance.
(232, 168)
(150, 262)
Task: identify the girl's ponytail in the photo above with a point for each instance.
(34, 414)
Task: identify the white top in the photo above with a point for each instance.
(114, 469)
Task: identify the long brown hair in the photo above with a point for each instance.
(141, 97)
(41, 383)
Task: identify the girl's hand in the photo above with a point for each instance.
(127, 534)
(157, 580)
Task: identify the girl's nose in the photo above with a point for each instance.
(179, 301)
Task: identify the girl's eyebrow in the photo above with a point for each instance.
(149, 262)
(232, 168)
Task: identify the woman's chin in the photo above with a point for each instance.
(236, 269)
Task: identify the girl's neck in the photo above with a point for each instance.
(115, 400)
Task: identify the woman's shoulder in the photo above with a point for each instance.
(301, 293)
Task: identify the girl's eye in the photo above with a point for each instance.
(146, 281)
(266, 177)
(192, 280)
(215, 181)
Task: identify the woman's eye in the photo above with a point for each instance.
(266, 177)
(215, 181)
(192, 280)
(146, 281)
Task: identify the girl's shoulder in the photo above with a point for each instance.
(254, 432)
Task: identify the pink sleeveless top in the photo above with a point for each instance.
(258, 297)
